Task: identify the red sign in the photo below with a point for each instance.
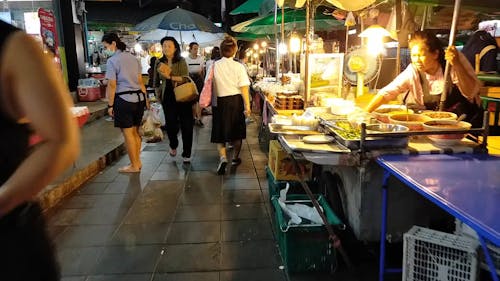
(48, 31)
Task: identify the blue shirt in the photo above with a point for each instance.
(125, 69)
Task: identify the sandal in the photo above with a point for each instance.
(173, 152)
(128, 169)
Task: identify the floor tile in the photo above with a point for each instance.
(254, 275)
(246, 230)
(139, 234)
(194, 232)
(78, 261)
(74, 278)
(236, 184)
(121, 277)
(243, 211)
(249, 254)
(242, 196)
(191, 276)
(85, 236)
(198, 213)
(190, 257)
(93, 188)
(128, 259)
(203, 197)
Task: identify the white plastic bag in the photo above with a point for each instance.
(150, 128)
(157, 112)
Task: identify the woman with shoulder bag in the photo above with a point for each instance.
(172, 70)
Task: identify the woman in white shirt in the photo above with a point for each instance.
(232, 104)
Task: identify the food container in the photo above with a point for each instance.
(385, 128)
(281, 119)
(446, 125)
(342, 107)
(414, 122)
(440, 115)
(383, 112)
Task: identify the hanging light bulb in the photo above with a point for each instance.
(283, 49)
(295, 43)
(375, 38)
(256, 46)
(263, 44)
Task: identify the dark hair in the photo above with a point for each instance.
(228, 47)
(152, 61)
(215, 55)
(241, 54)
(177, 54)
(431, 42)
(192, 44)
(110, 37)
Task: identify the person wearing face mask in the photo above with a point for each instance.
(172, 69)
(422, 81)
(127, 97)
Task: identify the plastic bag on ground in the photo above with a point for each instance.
(157, 111)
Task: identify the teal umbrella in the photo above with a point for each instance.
(294, 19)
(178, 20)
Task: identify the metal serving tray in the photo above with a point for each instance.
(291, 130)
(381, 142)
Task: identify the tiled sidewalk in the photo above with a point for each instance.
(175, 222)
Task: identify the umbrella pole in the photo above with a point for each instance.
(453, 30)
(277, 62)
(282, 56)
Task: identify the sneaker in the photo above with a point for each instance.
(186, 160)
(198, 123)
(221, 169)
(236, 162)
(110, 119)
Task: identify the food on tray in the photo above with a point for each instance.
(412, 121)
(442, 125)
(440, 115)
(346, 131)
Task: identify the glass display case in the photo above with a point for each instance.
(325, 73)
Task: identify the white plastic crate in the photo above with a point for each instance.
(431, 255)
(464, 230)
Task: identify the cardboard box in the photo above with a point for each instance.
(281, 165)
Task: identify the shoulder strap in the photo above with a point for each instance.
(485, 50)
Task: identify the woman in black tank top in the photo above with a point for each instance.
(30, 89)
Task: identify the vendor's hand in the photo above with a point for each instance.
(247, 112)
(110, 112)
(451, 55)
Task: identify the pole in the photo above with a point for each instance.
(282, 38)
(453, 30)
(277, 62)
(306, 54)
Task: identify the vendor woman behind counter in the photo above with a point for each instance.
(422, 81)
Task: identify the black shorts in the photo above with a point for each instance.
(127, 114)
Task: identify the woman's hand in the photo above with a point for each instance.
(164, 70)
(451, 55)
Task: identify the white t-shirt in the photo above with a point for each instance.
(195, 65)
(229, 77)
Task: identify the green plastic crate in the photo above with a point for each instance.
(274, 186)
(305, 247)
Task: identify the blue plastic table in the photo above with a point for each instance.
(466, 185)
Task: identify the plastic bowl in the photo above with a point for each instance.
(440, 125)
(383, 112)
(412, 121)
(440, 115)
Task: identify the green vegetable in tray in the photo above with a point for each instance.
(348, 131)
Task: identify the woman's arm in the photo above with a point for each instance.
(246, 99)
(466, 78)
(399, 85)
(182, 71)
(34, 89)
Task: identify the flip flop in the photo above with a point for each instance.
(128, 169)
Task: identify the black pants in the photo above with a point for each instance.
(26, 251)
(179, 115)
